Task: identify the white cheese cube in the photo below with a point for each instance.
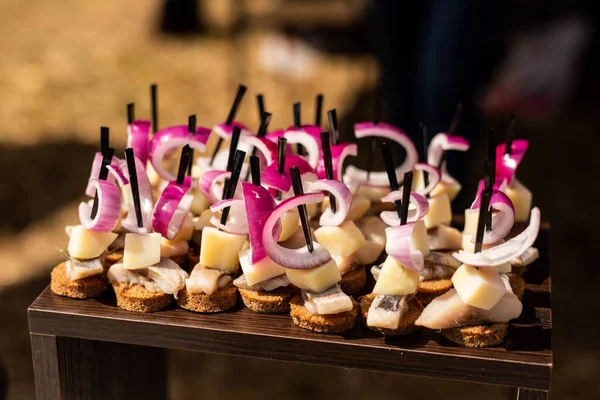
(373, 193)
(290, 223)
(418, 238)
(219, 249)
(521, 198)
(261, 271)
(85, 244)
(200, 203)
(186, 231)
(440, 211)
(169, 249)
(478, 287)
(451, 189)
(316, 279)
(342, 240)
(396, 280)
(141, 250)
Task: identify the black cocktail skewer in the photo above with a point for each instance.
(230, 118)
(133, 181)
(328, 162)
(297, 185)
(388, 161)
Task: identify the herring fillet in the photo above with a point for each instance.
(204, 280)
(448, 311)
(77, 269)
(266, 285)
(168, 276)
(386, 311)
(330, 301)
(117, 273)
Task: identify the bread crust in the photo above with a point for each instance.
(330, 323)
(429, 290)
(477, 335)
(92, 286)
(137, 298)
(274, 302)
(354, 281)
(517, 283)
(221, 300)
(407, 323)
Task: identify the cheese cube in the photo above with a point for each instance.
(358, 207)
(373, 193)
(316, 279)
(141, 250)
(396, 280)
(478, 287)
(342, 240)
(186, 231)
(261, 271)
(290, 223)
(200, 203)
(521, 198)
(85, 244)
(440, 211)
(169, 249)
(418, 238)
(219, 249)
(450, 188)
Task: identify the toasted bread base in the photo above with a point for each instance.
(330, 323)
(92, 286)
(477, 335)
(137, 298)
(407, 323)
(429, 290)
(221, 300)
(354, 281)
(113, 257)
(518, 285)
(274, 302)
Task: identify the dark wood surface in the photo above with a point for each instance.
(524, 360)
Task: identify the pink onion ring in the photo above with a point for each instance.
(420, 202)
(117, 172)
(398, 246)
(293, 258)
(109, 207)
(267, 148)
(339, 152)
(433, 174)
(275, 135)
(209, 184)
(224, 131)
(444, 142)
(343, 198)
(270, 177)
(90, 190)
(138, 138)
(309, 137)
(166, 140)
(507, 164)
(506, 251)
(171, 208)
(237, 222)
(500, 185)
(502, 222)
(390, 132)
(259, 205)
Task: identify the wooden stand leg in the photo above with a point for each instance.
(528, 394)
(68, 368)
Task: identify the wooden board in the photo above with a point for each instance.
(524, 360)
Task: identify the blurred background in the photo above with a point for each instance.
(70, 66)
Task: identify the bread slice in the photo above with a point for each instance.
(477, 335)
(518, 285)
(407, 323)
(221, 300)
(113, 257)
(139, 299)
(330, 323)
(354, 281)
(274, 302)
(92, 286)
(429, 290)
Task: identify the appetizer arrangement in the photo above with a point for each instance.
(205, 216)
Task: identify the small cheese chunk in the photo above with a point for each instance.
(440, 211)
(521, 198)
(186, 231)
(478, 287)
(358, 207)
(261, 271)
(85, 244)
(373, 193)
(418, 238)
(472, 220)
(396, 280)
(290, 223)
(169, 249)
(315, 279)
(451, 189)
(342, 240)
(141, 250)
(200, 203)
(219, 249)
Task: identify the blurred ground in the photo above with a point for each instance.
(60, 83)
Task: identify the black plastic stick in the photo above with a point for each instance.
(333, 126)
(230, 187)
(298, 125)
(318, 109)
(262, 131)
(184, 162)
(107, 157)
(297, 185)
(327, 160)
(154, 106)
(135, 191)
(489, 179)
(255, 169)
(408, 178)
(371, 157)
(483, 216)
(388, 161)
(260, 103)
(130, 113)
(230, 118)
(281, 149)
(192, 125)
(235, 138)
(104, 139)
(510, 133)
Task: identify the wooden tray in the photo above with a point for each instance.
(524, 360)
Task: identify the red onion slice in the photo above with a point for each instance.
(259, 205)
(138, 138)
(420, 202)
(506, 251)
(507, 164)
(165, 141)
(309, 137)
(502, 222)
(339, 152)
(209, 184)
(270, 177)
(109, 207)
(117, 172)
(500, 185)
(237, 221)
(224, 131)
(444, 142)
(390, 132)
(171, 208)
(433, 174)
(266, 148)
(398, 246)
(293, 258)
(275, 135)
(343, 198)
(90, 190)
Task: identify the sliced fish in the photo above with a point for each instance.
(204, 280)
(331, 301)
(264, 286)
(387, 311)
(77, 269)
(444, 237)
(449, 311)
(117, 273)
(167, 276)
